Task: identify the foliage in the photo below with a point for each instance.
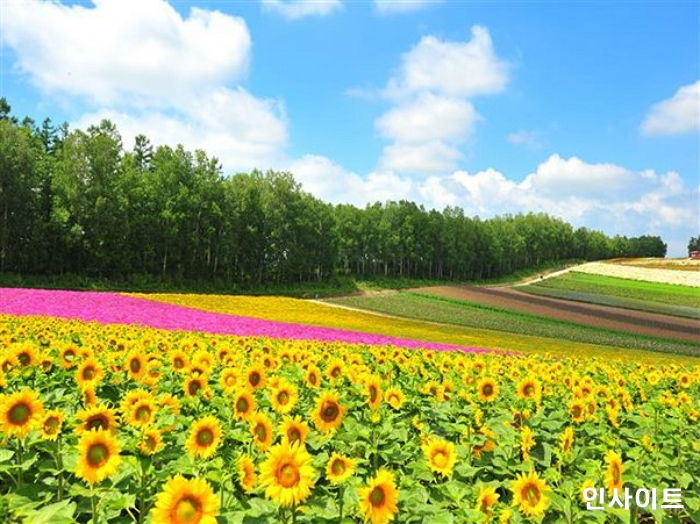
(505, 421)
(82, 202)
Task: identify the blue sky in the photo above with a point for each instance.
(587, 110)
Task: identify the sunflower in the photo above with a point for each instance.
(313, 376)
(142, 412)
(255, 377)
(328, 413)
(395, 398)
(378, 500)
(246, 473)
(135, 364)
(89, 373)
(89, 396)
(26, 355)
(374, 392)
(186, 501)
(151, 441)
(294, 430)
(487, 389)
(261, 429)
(527, 441)
(20, 413)
(97, 417)
(440, 455)
(98, 456)
(194, 385)
(179, 360)
(335, 369)
(577, 410)
(284, 397)
(243, 405)
(566, 441)
(613, 475)
(51, 424)
(529, 492)
(68, 356)
(486, 500)
(529, 388)
(339, 468)
(228, 379)
(204, 437)
(287, 474)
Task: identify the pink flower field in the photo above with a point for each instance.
(114, 308)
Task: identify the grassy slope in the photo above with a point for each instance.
(634, 294)
(463, 313)
(313, 313)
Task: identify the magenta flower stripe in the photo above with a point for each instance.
(113, 308)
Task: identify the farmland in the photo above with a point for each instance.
(635, 294)
(117, 421)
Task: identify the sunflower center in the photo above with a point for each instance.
(24, 358)
(97, 454)
(577, 411)
(616, 474)
(19, 414)
(440, 458)
(242, 405)
(373, 393)
(51, 425)
(143, 413)
(488, 390)
(135, 365)
(205, 437)
(329, 412)
(150, 443)
(97, 422)
(230, 380)
(260, 432)
(294, 435)
(193, 387)
(338, 466)
(336, 372)
(531, 494)
(376, 497)
(313, 379)
(529, 389)
(187, 509)
(288, 475)
(282, 397)
(178, 363)
(254, 378)
(89, 373)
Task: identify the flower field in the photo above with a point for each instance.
(119, 422)
(650, 273)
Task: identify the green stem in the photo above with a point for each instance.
(294, 514)
(93, 503)
(340, 504)
(59, 466)
(19, 463)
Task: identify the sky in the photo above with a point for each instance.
(588, 111)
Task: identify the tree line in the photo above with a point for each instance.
(79, 202)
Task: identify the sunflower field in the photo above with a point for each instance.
(125, 423)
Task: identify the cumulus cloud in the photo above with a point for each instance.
(676, 115)
(402, 6)
(152, 71)
(296, 9)
(461, 69)
(431, 114)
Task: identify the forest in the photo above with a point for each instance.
(82, 202)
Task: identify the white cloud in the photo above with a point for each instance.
(428, 117)
(402, 6)
(333, 183)
(461, 69)
(151, 71)
(242, 131)
(676, 115)
(529, 139)
(431, 115)
(139, 50)
(296, 9)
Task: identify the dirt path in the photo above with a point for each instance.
(639, 322)
(543, 276)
